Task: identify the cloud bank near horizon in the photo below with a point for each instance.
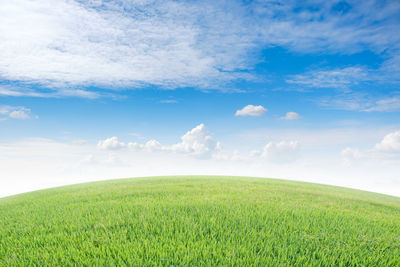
(197, 142)
(54, 163)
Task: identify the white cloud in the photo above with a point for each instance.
(49, 163)
(111, 143)
(362, 102)
(255, 153)
(281, 152)
(7, 90)
(291, 116)
(251, 110)
(169, 101)
(367, 25)
(68, 43)
(385, 104)
(76, 93)
(88, 159)
(153, 146)
(63, 44)
(351, 155)
(15, 112)
(197, 142)
(79, 142)
(337, 78)
(135, 146)
(19, 114)
(390, 143)
(388, 149)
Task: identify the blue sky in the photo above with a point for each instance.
(305, 90)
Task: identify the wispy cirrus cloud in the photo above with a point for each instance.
(362, 102)
(385, 104)
(168, 101)
(171, 44)
(27, 90)
(349, 79)
(59, 43)
(336, 78)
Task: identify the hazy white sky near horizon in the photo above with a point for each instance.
(303, 90)
(41, 163)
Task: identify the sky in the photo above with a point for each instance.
(301, 90)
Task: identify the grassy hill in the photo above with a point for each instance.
(200, 221)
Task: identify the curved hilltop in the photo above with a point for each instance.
(200, 221)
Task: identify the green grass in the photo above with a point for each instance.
(200, 221)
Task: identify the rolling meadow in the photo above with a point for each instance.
(200, 221)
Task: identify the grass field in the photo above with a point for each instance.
(200, 221)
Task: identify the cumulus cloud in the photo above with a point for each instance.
(197, 142)
(251, 110)
(279, 152)
(387, 149)
(19, 114)
(153, 145)
(111, 143)
(389, 143)
(350, 155)
(15, 112)
(291, 116)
